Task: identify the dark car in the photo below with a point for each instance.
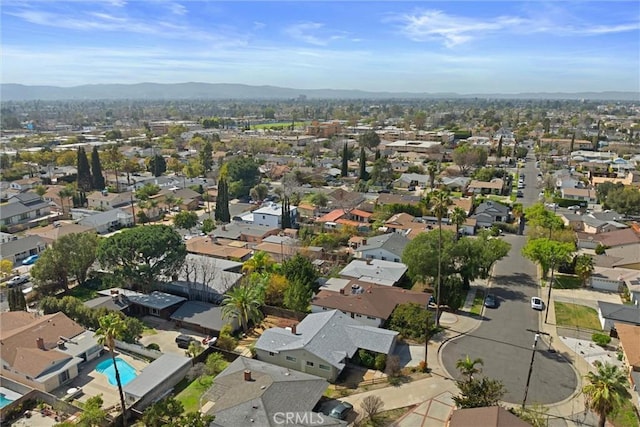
(183, 341)
(490, 301)
(340, 412)
(519, 194)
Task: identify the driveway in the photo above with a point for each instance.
(410, 354)
(165, 336)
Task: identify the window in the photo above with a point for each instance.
(63, 377)
(324, 367)
(290, 358)
(309, 363)
(358, 315)
(384, 258)
(371, 318)
(396, 260)
(271, 353)
(154, 312)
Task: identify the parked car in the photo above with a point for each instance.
(30, 260)
(519, 194)
(183, 341)
(340, 412)
(536, 303)
(490, 301)
(574, 208)
(18, 280)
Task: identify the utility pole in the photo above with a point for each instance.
(553, 270)
(533, 355)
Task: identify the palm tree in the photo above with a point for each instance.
(65, 193)
(606, 391)
(432, 169)
(584, 267)
(243, 302)
(112, 327)
(458, 217)
(438, 202)
(259, 262)
(467, 366)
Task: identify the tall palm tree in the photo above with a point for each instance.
(65, 193)
(467, 366)
(432, 170)
(458, 217)
(606, 391)
(260, 261)
(438, 202)
(243, 302)
(112, 327)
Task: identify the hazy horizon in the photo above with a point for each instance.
(461, 47)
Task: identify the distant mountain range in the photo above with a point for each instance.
(218, 91)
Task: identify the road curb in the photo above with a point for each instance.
(446, 341)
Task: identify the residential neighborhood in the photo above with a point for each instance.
(385, 269)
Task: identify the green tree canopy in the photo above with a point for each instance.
(606, 391)
(185, 219)
(299, 267)
(242, 174)
(369, 139)
(143, 254)
(547, 253)
(410, 320)
(96, 170)
(84, 180)
(243, 303)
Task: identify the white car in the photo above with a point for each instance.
(18, 280)
(536, 303)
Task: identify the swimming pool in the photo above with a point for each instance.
(126, 371)
(4, 401)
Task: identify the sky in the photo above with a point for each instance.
(420, 47)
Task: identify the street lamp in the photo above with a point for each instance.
(533, 355)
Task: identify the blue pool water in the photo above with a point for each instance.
(4, 401)
(126, 371)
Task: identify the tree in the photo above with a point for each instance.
(420, 119)
(466, 156)
(206, 156)
(260, 262)
(208, 225)
(344, 170)
(547, 253)
(275, 288)
(163, 412)
(92, 413)
(625, 200)
(111, 329)
(259, 192)
(50, 273)
(185, 220)
(297, 296)
(96, 170)
(242, 174)
(499, 151)
(6, 267)
(194, 349)
(369, 140)
(458, 217)
(157, 165)
(438, 201)
(243, 302)
(467, 366)
(363, 176)
(65, 194)
(320, 199)
(606, 391)
(382, 172)
(40, 190)
(371, 406)
(299, 267)
(538, 216)
(78, 251)
(222, 202)
(84, 180)
(477, 393)
(584, 267)
(195, 419)
(432, 170)
(410, 321)
(215, 363)
(142, 254)
(16, 299)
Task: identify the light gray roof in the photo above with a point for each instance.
(607, 215)
(19, 246)
(272, 389)
(102, 218)
(108, 302)
(156, 373)
(80, 344)
(196, 261)
(375, 271)
(331, 335)
(234, 230)
(9, 210)
(392, 242)
(492, 206)
(156, 299)
(202, 314)
(620, 312)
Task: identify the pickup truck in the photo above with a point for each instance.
(17, 280)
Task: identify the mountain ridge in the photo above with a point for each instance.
(220, 91)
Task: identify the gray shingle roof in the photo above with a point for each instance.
(392, 242)
(375, 271)
(19, 246)
(620, 312)
(155, 374)
(330, 335)
(202, 314)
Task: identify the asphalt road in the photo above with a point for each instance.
(503, 340)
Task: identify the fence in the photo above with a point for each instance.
(137, 349)
(269, 310)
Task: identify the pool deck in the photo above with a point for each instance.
(94, 383)
(10, 394)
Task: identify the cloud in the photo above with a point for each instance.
(305, 32)
(177, 9)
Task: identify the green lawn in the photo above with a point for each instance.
(190, 396)
(565, 281)
(83, 293)
(478, 302)
(576, 316)
(626, 416)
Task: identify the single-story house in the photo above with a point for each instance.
(490, 212)
(159, 304)
(610, 239)
(387, 246)
(203, 317)
(218, 248)
(53, 232)
(249, 233)
(19, 249)
(105, 201)
(610, 313)
(629, 337)
(106, 222)
(495, 186)
(375, 271)
(156, 380)
(580, 194)
(24, 209)
(322, 343)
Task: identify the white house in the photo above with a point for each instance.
(386, 247)
(270, 215)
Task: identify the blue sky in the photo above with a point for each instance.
(425, 46)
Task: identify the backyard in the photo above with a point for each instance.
(577, 316)
(191, 394)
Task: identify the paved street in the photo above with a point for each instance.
(503, 340)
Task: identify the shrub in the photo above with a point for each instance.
(423, 366)
(380, 362)
(601, 339)
(153, 346)
(366, 359)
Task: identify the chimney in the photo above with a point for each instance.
(342, 291)
(40, 343)
(368, 261)
(247, 375)
(293, 329)
(364, 242)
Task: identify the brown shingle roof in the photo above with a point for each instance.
(630, 339)
(613, 238)
(222, 249)
(491, 416)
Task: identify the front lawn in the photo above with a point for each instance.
(190, 396)
(387, 418)
(478, 302)
(565, 281)
(578, 316)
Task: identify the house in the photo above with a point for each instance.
(218, 248)
(488, 416)
(105, 201)
(609, 239)
(387, 246)
(250, 233)
(329, 220)
(25, 184)
(369, 304)
(251, 392)
(53, 232)
(489, 212)
(18, 249)
(109, 221)
(610, 313)
(188, 198)
(281, 248)
(611, 279)
(158, 304)
(44, 352)
(629, 337)
(203, 317)
(408, 180)
(400, 223)
(322, 343)
(375, 271)
(495, 186)
(587, 195)
(270, 215)
(458, 183)
(24, 209)
(343, 199)
(587, 223)
(156, 380)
